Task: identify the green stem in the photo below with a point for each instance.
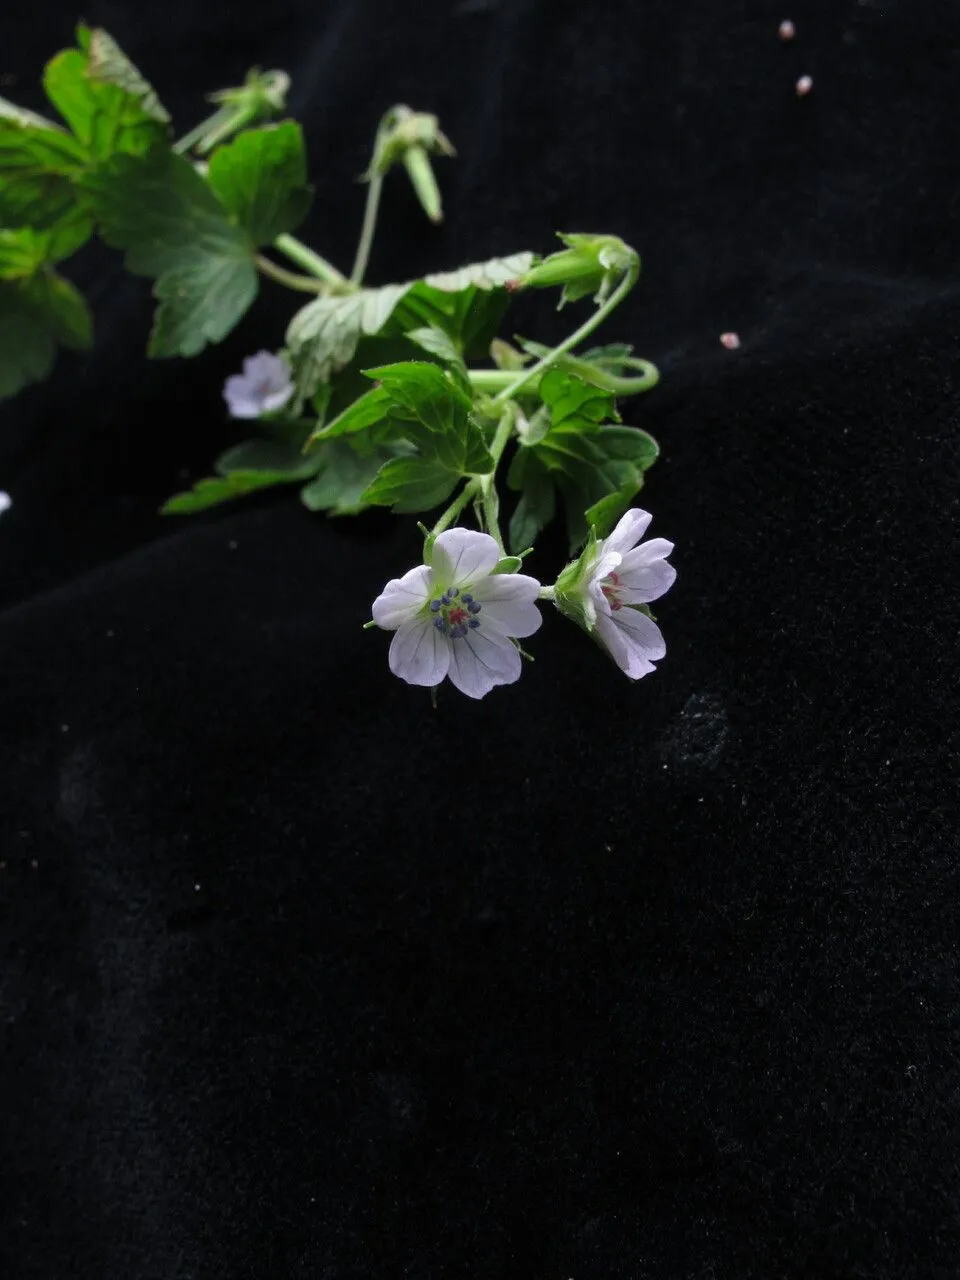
(366, 231)
(214, 124)
(598, 317)
(493, 380)
(548, 593)
(480, 485)
(488, 487)
(469, 490)
(305, 257)
(303, 284)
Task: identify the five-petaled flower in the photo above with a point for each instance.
(603, 589)
(457, 617)
(264, 385)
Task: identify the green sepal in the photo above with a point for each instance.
(570, 594)
(509, 564)
(590, 264)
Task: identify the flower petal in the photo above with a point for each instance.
(419, 654)
(241, 400)
(479, 662)
(616, 642)
(630, 529)
(642, 632)
(507, 601)
(463, 555)
(277, 399)
(605, 564)
(266, 367)
(402, 598)
(645, 574)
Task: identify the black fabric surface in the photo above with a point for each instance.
(301, 978)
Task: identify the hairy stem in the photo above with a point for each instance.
(468, 492)
(494, 380)
(367, 230)
(488, 483)
(220, 125)
(303, 284)
(305, 257)
(578, 335)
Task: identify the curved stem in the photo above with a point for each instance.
(366, 232)
(493, 380)
(226, 120)
(488, 487)
(469, 491)
(598, 317)
(305, 257)
(303, 284)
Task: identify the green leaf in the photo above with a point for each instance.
(467, 304)
(598, 468)
(159, 209)
(492, 274)
(199, 304)
(436, 415)
(261, 179)
(108, 64)
(573, 402)
(537, 505)
(323, 335)
(37, 314)
(436, 342)
(20, 115)
(344, 478)
(38, 166)
(25, 251)
(212, 490)
(411, 484)
(106, 115)
(365, 412)
(274, 456)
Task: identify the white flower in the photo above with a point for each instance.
(264, 385)
(6, 502)
(603, 588)
(455, 617)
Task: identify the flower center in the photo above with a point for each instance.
(455, 614)
(611, 586)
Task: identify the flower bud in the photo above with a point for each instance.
(409, 137)
(588, 264)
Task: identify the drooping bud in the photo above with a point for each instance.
(589, 264)
(410, 137)
(262, 96)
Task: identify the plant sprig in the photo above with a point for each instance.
(455, 412)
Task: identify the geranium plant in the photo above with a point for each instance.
(458, 422)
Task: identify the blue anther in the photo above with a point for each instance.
(438, 623)
(435, 605)
(473, 607)
(474, 623)
(453, 592)
(467, 599)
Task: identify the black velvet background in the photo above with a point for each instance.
(658, 982)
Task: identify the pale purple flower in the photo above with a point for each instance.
(264, 385)
(605, 587)
(456, 617)
(6, 502)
